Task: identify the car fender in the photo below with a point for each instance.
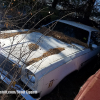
(52, 79)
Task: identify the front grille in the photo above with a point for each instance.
(7, 66)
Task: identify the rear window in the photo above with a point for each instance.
(71, 31)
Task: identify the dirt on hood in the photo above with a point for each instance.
(61, 36)
(33, 47)
(46, 54)
(47, 32)
(8, 35)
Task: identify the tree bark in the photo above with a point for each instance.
(54, 3)
(89, 7)
(87, 12)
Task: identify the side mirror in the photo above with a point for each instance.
(94, 46)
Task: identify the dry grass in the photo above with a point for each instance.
(55, 34)
(62, 37)
(8, 35)
(33, 47)
(46, 54)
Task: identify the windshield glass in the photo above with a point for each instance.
(71, 31)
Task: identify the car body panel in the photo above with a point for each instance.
(91, 89)
(18, 88)
(50, 70)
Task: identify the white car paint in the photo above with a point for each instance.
(50, 70)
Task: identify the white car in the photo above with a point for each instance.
(53, 55)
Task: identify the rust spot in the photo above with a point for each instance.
(51, 83)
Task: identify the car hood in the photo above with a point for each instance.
(20, 52)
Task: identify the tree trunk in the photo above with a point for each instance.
(87, 12)
(54, 3)
(89, 7)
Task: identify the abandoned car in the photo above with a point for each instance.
(41, 58)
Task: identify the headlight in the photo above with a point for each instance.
(30, 76)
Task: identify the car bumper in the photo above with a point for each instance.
(17, 87)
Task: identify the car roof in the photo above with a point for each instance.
(78, 25)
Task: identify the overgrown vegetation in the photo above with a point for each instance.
(31, 14)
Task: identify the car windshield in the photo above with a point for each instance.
(71, 31)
